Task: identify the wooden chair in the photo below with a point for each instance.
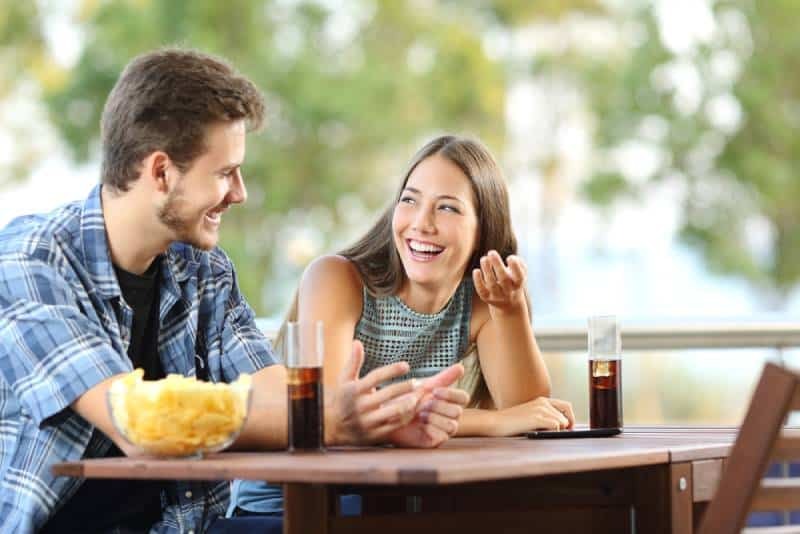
(761, 440)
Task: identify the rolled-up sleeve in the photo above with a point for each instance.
(51, 352)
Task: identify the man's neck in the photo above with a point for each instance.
(134, 235)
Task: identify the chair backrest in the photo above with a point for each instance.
(761, 440)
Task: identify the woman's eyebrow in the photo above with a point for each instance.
(440, 197)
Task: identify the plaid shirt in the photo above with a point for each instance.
(64, 328)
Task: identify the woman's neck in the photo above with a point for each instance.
(426, 299)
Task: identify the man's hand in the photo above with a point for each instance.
(360, 413)
(423, 416)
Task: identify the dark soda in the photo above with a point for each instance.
(605, 393)
(305, 409)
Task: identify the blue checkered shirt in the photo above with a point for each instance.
(64, 328)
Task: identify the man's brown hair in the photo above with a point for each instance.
(164, 100)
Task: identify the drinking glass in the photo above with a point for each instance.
(304, 356)
(605, 372)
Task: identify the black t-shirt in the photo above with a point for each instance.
(141, 294)
(101, 504)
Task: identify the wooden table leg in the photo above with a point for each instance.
(306, 508)
(663, 499)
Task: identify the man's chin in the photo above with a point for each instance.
(206, 244)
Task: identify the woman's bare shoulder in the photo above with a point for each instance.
(333, 274)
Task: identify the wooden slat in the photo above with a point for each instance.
(652, 515)
(750, 455)
(680, 481)
(550, 519)
(778, 494)
(597, 488)
(795, 401)
(787, 447)
(307, 509)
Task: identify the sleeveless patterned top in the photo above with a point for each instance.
(392, 332)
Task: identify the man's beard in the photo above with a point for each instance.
(170, 216)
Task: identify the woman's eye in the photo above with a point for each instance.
(407, 200)
(447, 207)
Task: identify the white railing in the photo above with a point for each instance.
(660, 335)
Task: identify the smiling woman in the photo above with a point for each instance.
(434, 280)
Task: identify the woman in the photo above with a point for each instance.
(435, 279)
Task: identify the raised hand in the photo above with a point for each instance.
(501, 286)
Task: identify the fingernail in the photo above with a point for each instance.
(423, 416)
(415, 383)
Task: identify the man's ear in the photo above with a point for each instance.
(156, 169)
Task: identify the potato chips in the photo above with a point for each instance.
(178, 415)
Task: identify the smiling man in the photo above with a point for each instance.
(132, 276)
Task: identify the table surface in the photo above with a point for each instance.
(459, 460)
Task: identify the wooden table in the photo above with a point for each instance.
(648, 480)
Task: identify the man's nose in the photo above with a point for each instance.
(238, 192)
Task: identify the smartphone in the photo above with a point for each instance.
(580, 433)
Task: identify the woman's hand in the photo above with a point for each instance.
(438, 412)
(407, 413)
(542, 413)
(501, 286)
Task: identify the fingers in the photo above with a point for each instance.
(548, 410)
(566, 410)
(444, 378)
(518, 269)
(494, 275)
(396, 413)
(393, 391)
(440, 423)
(380, 375)
(547, 422)
(442, 408)
(353, 366)
(480, 287)
(436, 435)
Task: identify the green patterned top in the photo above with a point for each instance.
(392, 332)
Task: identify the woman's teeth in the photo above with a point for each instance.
(424, 250)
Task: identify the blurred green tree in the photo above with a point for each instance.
(719, 117)
(348, 89)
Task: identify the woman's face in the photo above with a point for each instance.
(435, 223)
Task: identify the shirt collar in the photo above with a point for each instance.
(182, 259)
(95, 246)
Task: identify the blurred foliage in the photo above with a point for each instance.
(24, 58)
(353, 90)
(347, 91)
(742, 202)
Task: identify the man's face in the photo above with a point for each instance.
(193, 208)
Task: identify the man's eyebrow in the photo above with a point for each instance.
(228, 168)
(440, 197)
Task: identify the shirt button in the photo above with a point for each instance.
(188, 496)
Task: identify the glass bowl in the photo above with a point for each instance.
(178, 416)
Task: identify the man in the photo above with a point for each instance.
(131, 277)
